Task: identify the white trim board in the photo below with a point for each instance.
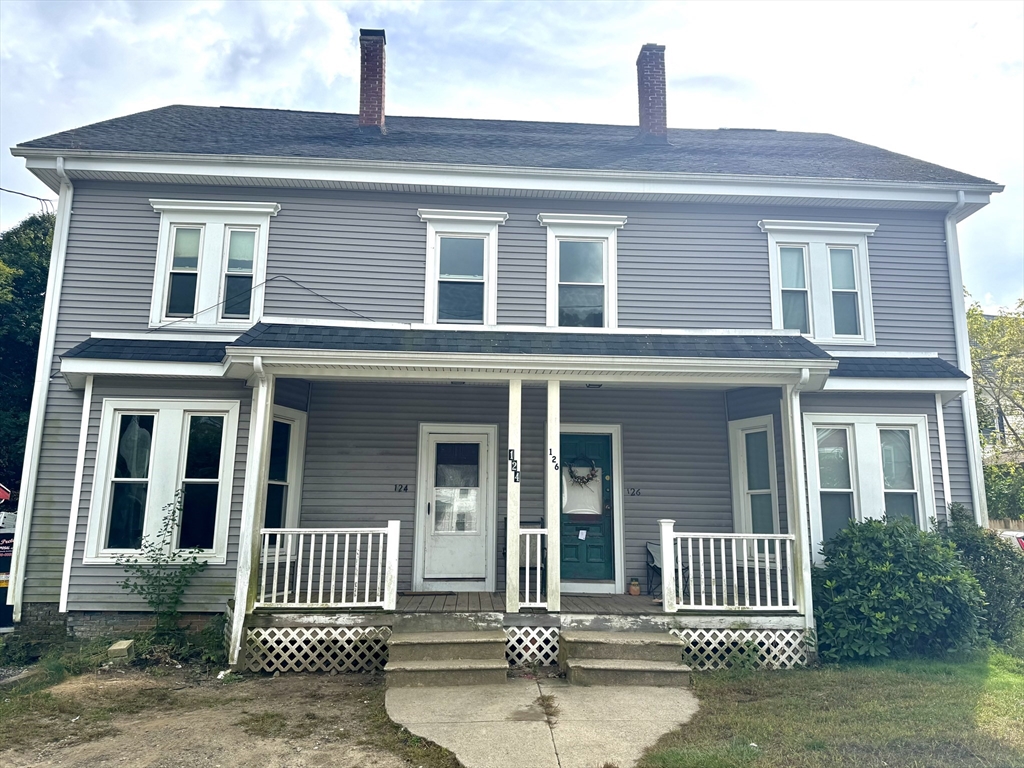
(618, 512)
(76, 496)
(948, 389)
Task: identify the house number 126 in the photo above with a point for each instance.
(554, 458)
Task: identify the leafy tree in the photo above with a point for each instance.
(24, 263)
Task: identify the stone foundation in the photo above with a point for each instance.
(90, 625)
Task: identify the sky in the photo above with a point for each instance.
(941, 81)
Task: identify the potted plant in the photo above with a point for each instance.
(634, 587)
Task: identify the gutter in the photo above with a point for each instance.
(969, 406)
(44, 368)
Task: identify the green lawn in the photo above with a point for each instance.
(912, 714)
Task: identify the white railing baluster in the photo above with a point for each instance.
(277, 560)
(380, 566)
(700, 552)
(526, 594)
(369, 561)
(689, 571)
(344, 572)
(778, 573)
(309, 576)
(789, 573)
(735, 584)
(746, 575)
(323, 561)
(334, 567)
(757, 575)
(263, 578)
(287, 567)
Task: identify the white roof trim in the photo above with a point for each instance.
(947, 389)
(75, 369)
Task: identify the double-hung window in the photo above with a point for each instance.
(157, 458)
(754, 479)
(461, 267)
(582, 274)
(284, 480)
(211, 263)
(820, 282)
(863, 467)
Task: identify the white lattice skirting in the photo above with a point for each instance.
(316, 649)
(708, 649)
(526, 646)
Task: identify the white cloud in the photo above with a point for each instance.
(946, 85)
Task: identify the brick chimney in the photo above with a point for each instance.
(650, 77)
(371, 79)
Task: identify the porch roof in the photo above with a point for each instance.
(897, 368)
(461, 342)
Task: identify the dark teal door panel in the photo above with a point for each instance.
(586, 508)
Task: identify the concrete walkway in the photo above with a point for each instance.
(542, 723)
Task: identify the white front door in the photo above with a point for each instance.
(456, 507)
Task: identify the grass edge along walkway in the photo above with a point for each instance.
(913, 714)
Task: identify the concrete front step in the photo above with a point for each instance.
(640, 646)
(627, 672)
(408, 674)
(447, 622)
(442, 646)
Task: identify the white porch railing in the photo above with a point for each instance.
(532, 560)
(329, 567)
(730, 572)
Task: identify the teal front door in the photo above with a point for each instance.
(587, 498)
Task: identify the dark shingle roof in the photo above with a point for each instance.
(529, 343)
(161, 350)
(181, 129)
(897, 368)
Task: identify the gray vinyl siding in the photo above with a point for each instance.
(362, 441)
(758, 401)
(912, 404)
(96, 587)
(291, 393)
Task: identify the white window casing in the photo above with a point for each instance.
(216, 220)
(866, 466)
(819, 239)
(741, 492)
(583, 227)
(479, 224)
(166, 469)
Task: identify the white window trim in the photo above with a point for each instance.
(866, 466)
(296, 461)
(579, 226)
(168, 450)
(460, 224)
(215, 217)
(816, 237)
(738, 428)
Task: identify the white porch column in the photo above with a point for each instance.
(666, 530)
(553, 495)
(253, 503)
(796, 498)
(515, 420)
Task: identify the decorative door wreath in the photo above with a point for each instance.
(582, 480)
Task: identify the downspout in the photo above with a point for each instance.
(41, 390)
(969, 407)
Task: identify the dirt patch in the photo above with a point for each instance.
(159, 720)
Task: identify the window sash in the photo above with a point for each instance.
(440, 279)
(561, 310)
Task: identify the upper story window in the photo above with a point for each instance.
(149, 451)
(861, 467)
(582, 274)
(820, 282)
(461, 267)
(211, 263)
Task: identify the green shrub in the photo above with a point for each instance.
(998, 565)
(890, 589)
(1004, 488)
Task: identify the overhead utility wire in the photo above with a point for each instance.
(46, 205)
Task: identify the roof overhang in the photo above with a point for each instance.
(947, 388)
(76, 369)
(500, 181)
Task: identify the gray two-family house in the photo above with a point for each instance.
(535, 378)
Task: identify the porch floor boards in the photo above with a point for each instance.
(494, 602)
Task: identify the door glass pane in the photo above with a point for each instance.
(794, 311)
(758, 474)
(844, 310)
(186, 248)
(833, 458)
(901, 505)
(277, 496)
(841, 260)
(792, 267)
(127, 514)
(762, 514)
(456, 510)
(460, 302)
(836, 512)
(134, 440)
(462, 257)
(181, 297)
(458, 465)
(202, 460)
(241, 247)
(897, 461)
(580, 262)
(237, 295)
(581, 306)
(198, 515)
(280, 441)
